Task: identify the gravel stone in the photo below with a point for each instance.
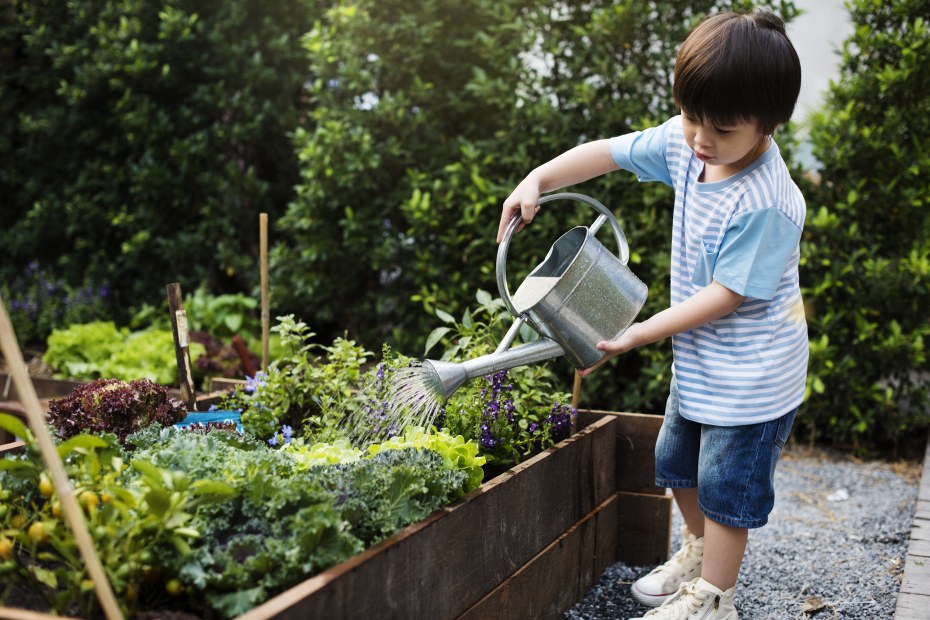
(834, 545)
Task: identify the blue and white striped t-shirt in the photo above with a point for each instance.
(744, 231)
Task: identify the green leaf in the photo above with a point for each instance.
(434, 337)
(444, 316)
(484, 298)
(159, 501)
(45, 576)
(213, 488)
(80, 443)
(13, 425)
(9, 464)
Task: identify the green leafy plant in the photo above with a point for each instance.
(178, 119)
(306, 387)
(457, 453)
(134, 527)
(512, 413)
(287, 521)
(37, 303)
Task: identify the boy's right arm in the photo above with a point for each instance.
(577, 165)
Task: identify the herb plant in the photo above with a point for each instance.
(307, 387)
(511, 413)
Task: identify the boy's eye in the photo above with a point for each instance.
(722, 131)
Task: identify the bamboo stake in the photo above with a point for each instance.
(266, 314)
(576, 395)
(181, 345)
(69, 504)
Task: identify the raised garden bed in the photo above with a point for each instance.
(527, 544)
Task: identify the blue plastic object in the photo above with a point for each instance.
(204, 417)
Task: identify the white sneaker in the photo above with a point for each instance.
(656, 587)
(696, 600)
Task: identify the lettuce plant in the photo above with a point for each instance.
(114, 406)
(101, 350)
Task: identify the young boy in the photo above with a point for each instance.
(736, 320)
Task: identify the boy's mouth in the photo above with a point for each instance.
(702, 156)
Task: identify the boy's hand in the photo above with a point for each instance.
(523, 200)
(626, 342)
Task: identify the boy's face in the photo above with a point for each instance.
(732, 146)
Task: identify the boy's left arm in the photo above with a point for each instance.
(710, 303)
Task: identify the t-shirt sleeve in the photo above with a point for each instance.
(755, 251)
(644, 153)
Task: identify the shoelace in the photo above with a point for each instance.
(686, 601)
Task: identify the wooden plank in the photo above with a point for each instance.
(558, 576)
(440, 567)
(916, 576)
(12, 448)
(919, 549)
(46, 387)
(636, 442)
(218, 384)
(645, 521)
(922, 509)
(11, 613)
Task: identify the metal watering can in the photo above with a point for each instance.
(579, 295)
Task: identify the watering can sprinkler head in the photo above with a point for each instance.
(446, 377)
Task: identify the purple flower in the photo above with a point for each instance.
(253, 383)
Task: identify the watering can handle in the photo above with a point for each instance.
(623, 248)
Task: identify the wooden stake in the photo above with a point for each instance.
(181, 345)
(266, 314)
(69, 504)
(576, 395)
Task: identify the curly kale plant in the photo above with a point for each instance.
(114, 406)
(283, 523)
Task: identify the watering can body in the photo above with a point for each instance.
(585, 293)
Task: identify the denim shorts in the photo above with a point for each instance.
(733, 467)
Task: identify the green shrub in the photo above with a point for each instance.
(141, 138)
(866, 247)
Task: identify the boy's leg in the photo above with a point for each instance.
(687, 501)
(724, 547)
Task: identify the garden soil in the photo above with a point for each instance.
(834, 546)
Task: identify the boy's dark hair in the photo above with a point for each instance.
(735, 67)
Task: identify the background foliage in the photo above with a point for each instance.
(140, 140)
(866, 245)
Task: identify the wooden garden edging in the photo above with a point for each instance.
(914, 596)
(529, 543)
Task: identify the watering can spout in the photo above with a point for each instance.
(449, 376)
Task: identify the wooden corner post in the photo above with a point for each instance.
(181, 345)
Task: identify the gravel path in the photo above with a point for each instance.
(834, 546)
